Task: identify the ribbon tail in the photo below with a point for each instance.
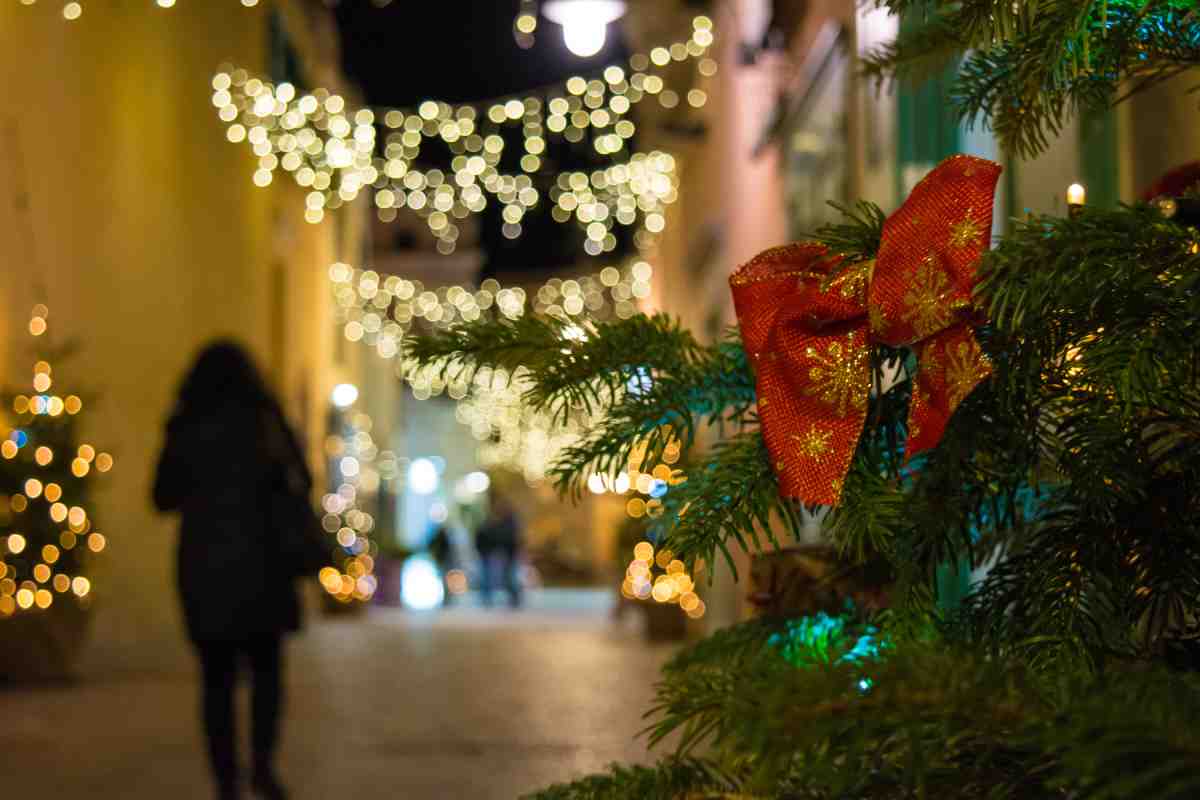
(813, 443)
(950, 365)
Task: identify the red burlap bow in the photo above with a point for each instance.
(809, 322)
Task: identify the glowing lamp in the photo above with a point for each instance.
(585, 22)
(477, 482)
(1076, 197)
(420, 584)
(344, 395)
(423, 476)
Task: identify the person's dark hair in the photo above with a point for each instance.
(223, 375)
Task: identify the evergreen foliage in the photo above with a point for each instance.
(48, 538)
(1028, 66)
(1072, 473)
(1073, 469)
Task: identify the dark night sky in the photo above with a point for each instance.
(453, 50)
(462, 51)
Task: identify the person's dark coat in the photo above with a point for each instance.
(499, 536)
(219, 470)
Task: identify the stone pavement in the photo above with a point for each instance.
(459, 704)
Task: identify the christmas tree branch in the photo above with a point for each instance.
(669, 779)
(1031, 65)
(662, 407)
(731, 495)
(569, 366)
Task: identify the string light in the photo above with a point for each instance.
(73, 10)
(650, 575)
(659, 576)
(37, 555)
(380, 311)
(336, 153)
(352, 577)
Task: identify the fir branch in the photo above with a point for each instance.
(569, 366)
(1033, 64)
(857, 236)
(668, 780)
(939, 722)
(733, 496)
(670, 405)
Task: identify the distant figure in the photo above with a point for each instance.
(228, 449)
(443, 550)
(498, 541)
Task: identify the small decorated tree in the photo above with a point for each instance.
(47, 534)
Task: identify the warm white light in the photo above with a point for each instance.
(584, 40)
(422, 476)
(596, 485)
(344, 395)
(1076, 195)
(585, 22)
(420, 585)
(477, 482)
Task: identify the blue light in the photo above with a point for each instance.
(658, 488)
(20, 437)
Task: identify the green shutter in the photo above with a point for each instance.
(928, 133)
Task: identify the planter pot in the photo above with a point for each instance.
(335, 608)
(43, 645)
(802, 580)
(664, 621)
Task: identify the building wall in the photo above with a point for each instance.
(1158, 133)
(130, 215)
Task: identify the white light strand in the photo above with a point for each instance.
(337, 153)
(380, 311)
(73, 10)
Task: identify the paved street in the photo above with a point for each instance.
(465, 704)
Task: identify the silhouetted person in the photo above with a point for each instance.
(228, 449)
(441, 548)
(498, 541)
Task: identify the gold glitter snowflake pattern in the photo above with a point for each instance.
(965, 232)
(966, 366)
(926, 305)
(851, 282)
(876, 321)
(840, 377)
(814, 444)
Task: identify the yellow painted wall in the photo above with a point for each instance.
(121, 199)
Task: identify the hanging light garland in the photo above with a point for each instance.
(73, 10)
(338, 153)
(380, 311)
(525, 23)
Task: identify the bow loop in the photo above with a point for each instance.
(809, 320)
